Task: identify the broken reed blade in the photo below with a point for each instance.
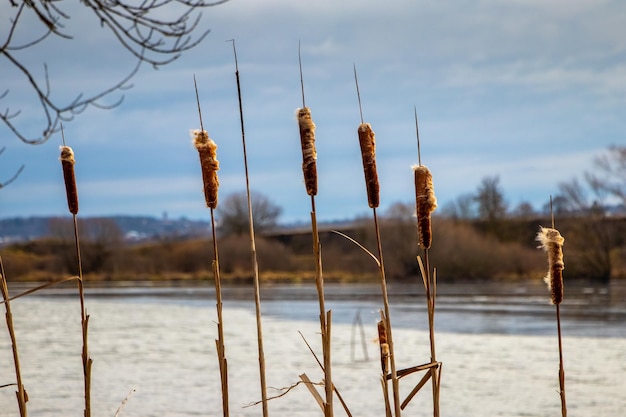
(367, 142)
(309, 155)
(67, 161)
(552, 242)
(425, 203)
(207, 150)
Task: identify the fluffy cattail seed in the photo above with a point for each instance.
(309, 155)
(67, 161)
(425, 203)
(368, 153)
(207, 150)
(552, 242)
(384, 346)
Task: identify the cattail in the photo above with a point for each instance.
(368, 153)
(384, 346)
(425, 203)
(309, 155)
(67, 160)
(207, 150)
(552, 242)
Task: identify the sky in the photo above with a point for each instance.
(529, 91)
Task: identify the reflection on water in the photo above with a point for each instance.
(497, 342)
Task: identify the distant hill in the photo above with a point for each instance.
(21, 229)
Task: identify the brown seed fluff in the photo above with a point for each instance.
(425, 203)
(552, 242)
(384, 346)
(367, 141)
(207, 150)
(309, 155)
(67, 161)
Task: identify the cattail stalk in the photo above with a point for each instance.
(22, 396)
(367, 143)
(425, 204)
(552, 242)
(67, 161)
(207, 151)
(309, 170)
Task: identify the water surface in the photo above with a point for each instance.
(497, 342)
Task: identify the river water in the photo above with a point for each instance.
(497, 343)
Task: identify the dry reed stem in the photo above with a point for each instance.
(21, 394)
(416, 389)
(310, 386)
(67, 161)
(309, 155)
(367, 142)
(41, 287)
(430, 288)
(221, 348)
(324, 316)
(255, 264)
(123, 403)
(385, 387)
(425, 204)
(207, 150)
(552, 242)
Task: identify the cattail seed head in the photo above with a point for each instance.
(67, 161)
(384, 346)
(552, 242)
(368, 153)
(207, 150)
(425, 203)
(309, 155)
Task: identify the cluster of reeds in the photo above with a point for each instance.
(425, 203)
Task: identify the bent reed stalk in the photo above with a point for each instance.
(67, 162)
(207, 152)
(22, 396)
(309, 170)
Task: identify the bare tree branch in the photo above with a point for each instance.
(156, 32)
(14, 177)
